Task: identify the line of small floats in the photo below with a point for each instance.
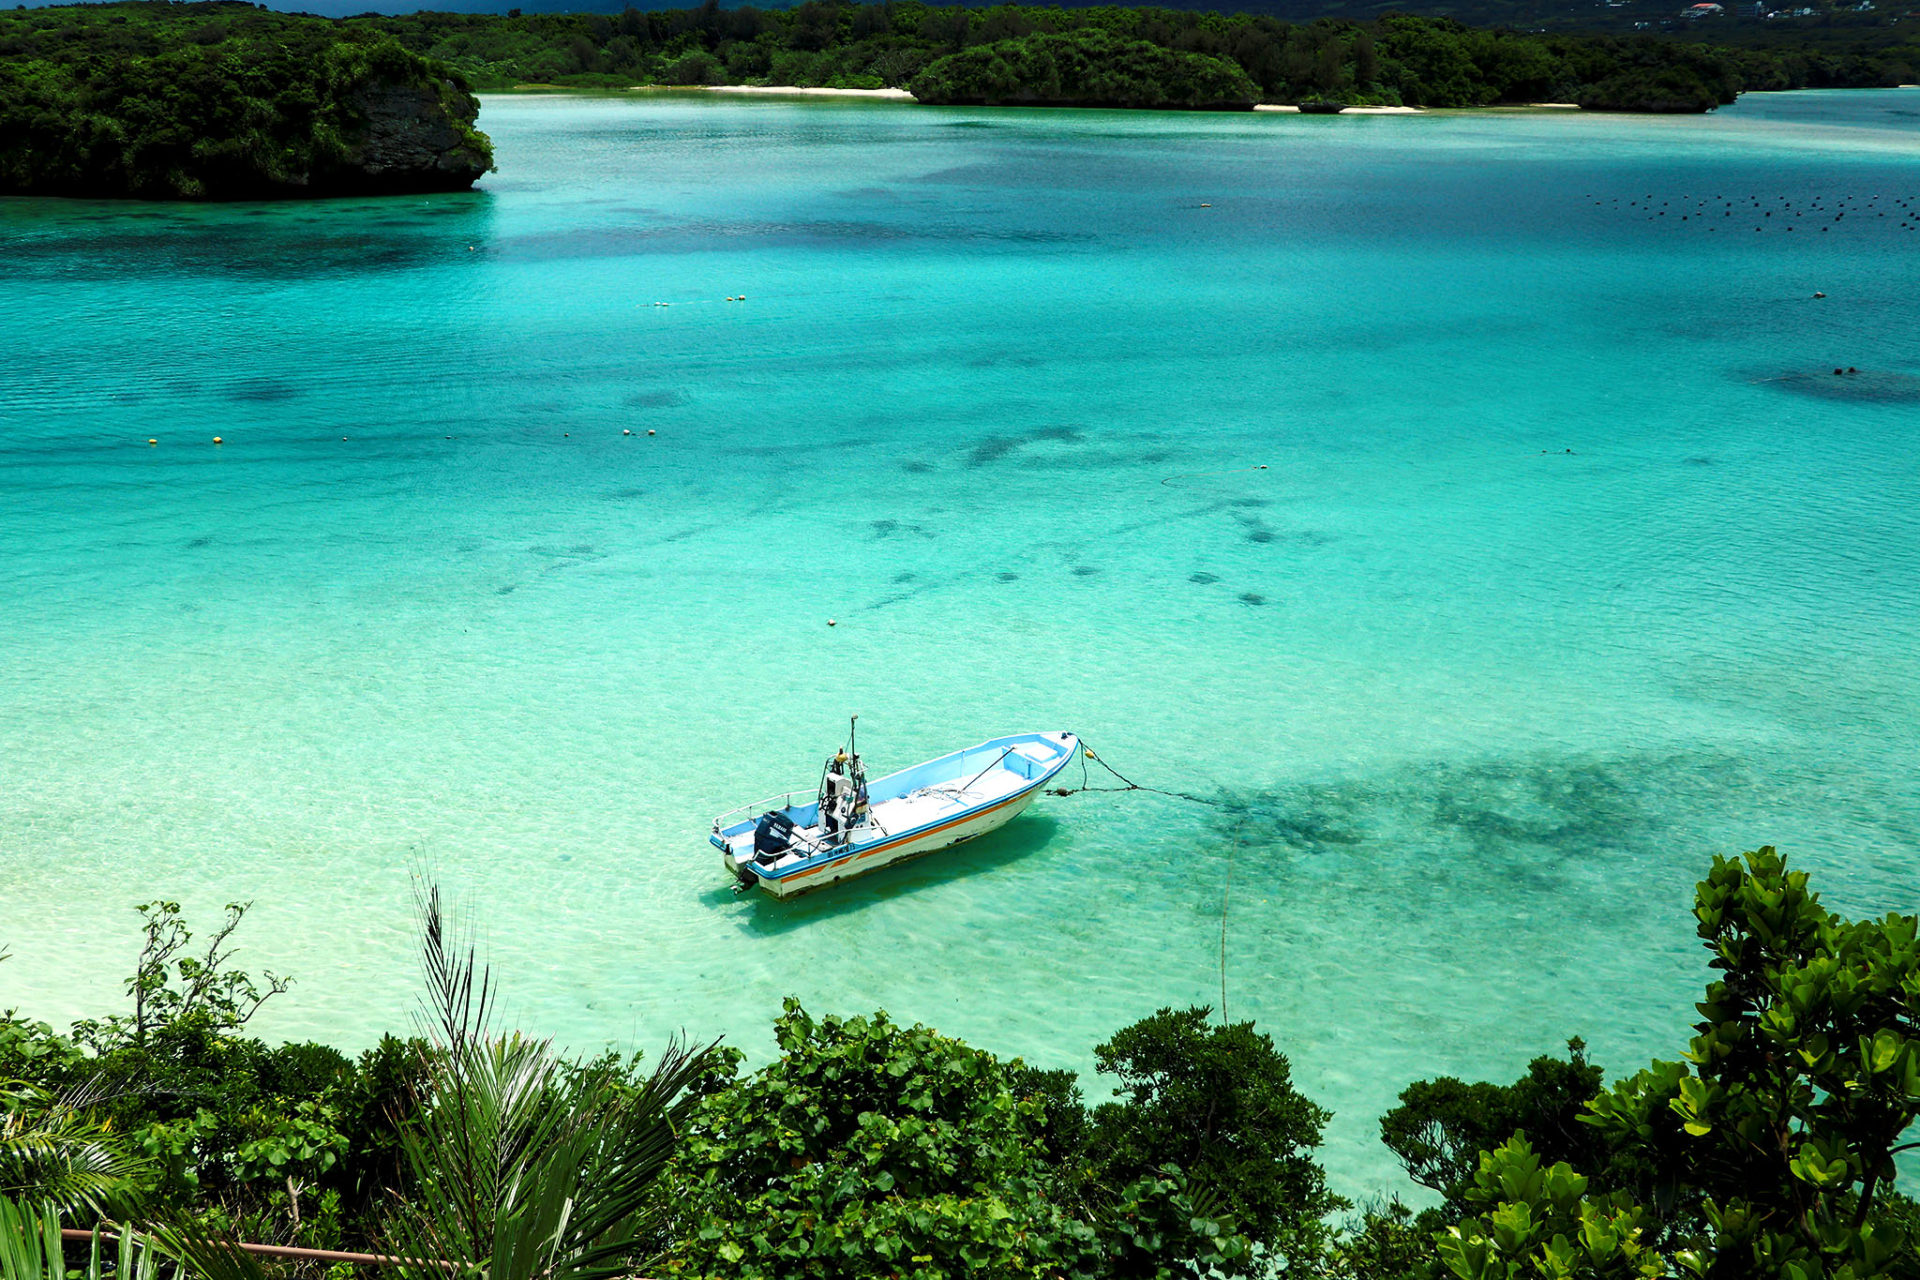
(565, 435)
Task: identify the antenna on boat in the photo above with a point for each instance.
(853, 727)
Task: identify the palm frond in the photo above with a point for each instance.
(459, 992)
(525, 1165)
(52, 1152)
(205, 1257)
(30, 1249)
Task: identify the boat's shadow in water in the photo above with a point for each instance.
(765, 915)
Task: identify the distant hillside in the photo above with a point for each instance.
(1394, 59)
(1824, 23)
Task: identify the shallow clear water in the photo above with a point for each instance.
(1483, 707)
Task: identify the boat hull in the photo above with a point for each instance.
(1032, 770)
(858, 863)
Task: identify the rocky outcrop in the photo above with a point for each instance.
(413, 137)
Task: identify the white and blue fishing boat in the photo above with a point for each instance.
(847, 826)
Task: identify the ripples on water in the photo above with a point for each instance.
(1573, 563)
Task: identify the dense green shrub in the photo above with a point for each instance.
(871, 1149)
(1217, 1102)
(1669, 89)
(1084, 68)
(1441, 1126)
(1768, 1150)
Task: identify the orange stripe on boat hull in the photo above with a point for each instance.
(908, 839)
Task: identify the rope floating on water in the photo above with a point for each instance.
(1088, 753)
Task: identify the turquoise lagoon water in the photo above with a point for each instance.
(1570, 565)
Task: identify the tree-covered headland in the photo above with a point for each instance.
(865, 1149)
(224, 100)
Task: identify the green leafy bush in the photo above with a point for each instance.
(1442, 1126)
(1768, 1150)
(870, 1149)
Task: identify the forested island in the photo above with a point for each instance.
(227, 100)
(867, 1149)
(224, 101)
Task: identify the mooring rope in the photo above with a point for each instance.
(1088, 753)
(1226, 893)
(1226, 900)
(1195, 475)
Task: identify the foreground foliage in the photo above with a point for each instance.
(1768, 1149)
(868, 1149)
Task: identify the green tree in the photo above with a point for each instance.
(171, 988)
(1217, 1102)
(1084, 68)
(1442, 1126)
(1768, 1150)
(868, 1149)
(871, 1149)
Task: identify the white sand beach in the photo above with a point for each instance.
(892, 95)
(1348, 111)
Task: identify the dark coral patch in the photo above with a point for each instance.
(992, 449)
(654, 399)
(262, 391)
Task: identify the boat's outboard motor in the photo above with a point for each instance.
(772, 836)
